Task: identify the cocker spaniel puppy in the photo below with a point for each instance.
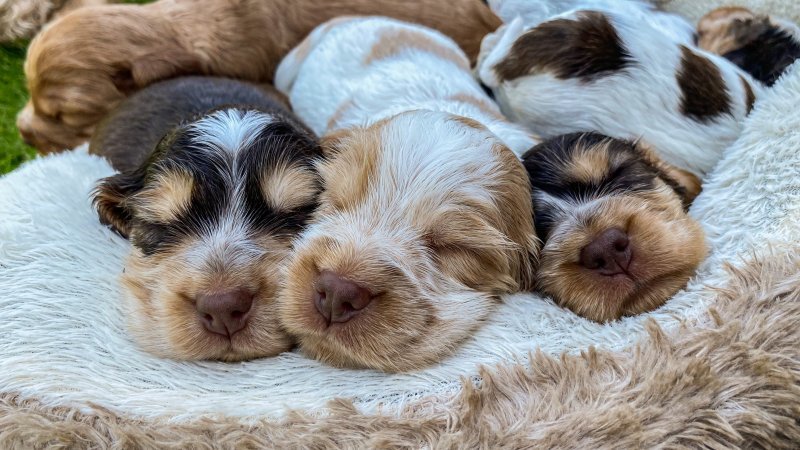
(618, 75)
(217, 179)
(85, 63)
(761, 45)
(612, 217)
(425, 217)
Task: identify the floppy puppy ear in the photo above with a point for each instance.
(163, 63)
(111, 197)
(685, 183)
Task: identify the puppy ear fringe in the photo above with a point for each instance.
(110, 198)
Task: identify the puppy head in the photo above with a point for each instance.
(424, 221)
(211, 216)
(728, 28)
(84, 63)
(617, 239)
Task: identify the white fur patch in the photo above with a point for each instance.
(229, 130)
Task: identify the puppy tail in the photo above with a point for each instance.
(494, 48)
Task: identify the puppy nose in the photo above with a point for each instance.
(25, 131)
(225, 313)
(609, 254)
(339, 299)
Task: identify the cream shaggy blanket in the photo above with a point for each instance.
(717, 366)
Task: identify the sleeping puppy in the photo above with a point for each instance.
(761, 45)
(612, 217)
(218, 179)
(607, 72)
(425, 217)
(83, 64)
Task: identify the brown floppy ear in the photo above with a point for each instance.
(685, 183)
(110, 199)
(166, 62)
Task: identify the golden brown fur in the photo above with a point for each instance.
(730, 380)
(436, 258)
(588, 185)
(726, 29)
(86, 62)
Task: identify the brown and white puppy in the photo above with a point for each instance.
(218, 179)
(608, 72)
(761, 45)
(425, 218)
(617, 238)
(85, 63)
(20, 19)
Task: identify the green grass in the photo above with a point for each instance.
(13, 95)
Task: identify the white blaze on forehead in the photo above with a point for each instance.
(230, 130)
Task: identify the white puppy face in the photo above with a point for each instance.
(425, 220)
(607, 72)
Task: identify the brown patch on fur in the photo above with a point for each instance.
(348, 191)
(472, 123)
(85, 63)
(590, 167)
(585, 48)
(166, 198)
(288, 188)
(394, 41)
(704, 95)
(750, 97)
(729, 380)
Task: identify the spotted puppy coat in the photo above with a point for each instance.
(425, 217)
(618, 75)
(763, 46)
(612, 217)
(218, 179)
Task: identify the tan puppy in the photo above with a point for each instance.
(83, 64)
(425, 218)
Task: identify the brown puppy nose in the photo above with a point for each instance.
(226, 312)
(339, 299)
(609, 254)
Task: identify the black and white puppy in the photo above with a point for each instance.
(761, 45)
(612, 218)
(217, 179)
(617, 74)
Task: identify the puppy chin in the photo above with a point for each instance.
(666, 249)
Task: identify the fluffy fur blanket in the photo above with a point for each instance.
(717, 367)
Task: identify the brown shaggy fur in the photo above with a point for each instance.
(732, 381)
(84, 64)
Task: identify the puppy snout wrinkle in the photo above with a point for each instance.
(609, 254)
(226, 312)
(338, 299)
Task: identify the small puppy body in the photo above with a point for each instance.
(607, 72)
(534, 13)
(761, 45)
(210, 208)
(612, 217)
(85, 63)
(425, 216)
(21, 19)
